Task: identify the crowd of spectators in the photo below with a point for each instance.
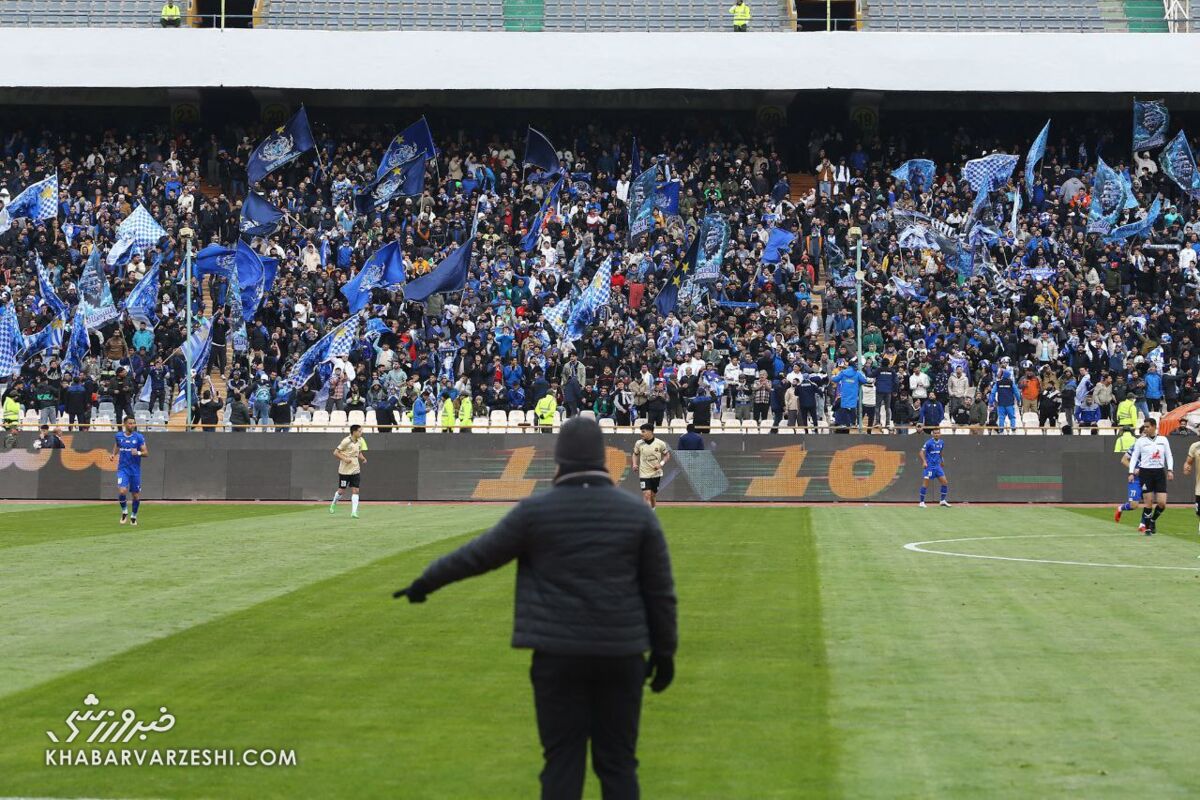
(1093, 325)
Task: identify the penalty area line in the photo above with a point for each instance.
(919, 547)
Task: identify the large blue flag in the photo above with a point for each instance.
(1139, 228)
(384, 268)
(987, 174)
(1150, 123)
(1179, 164)
(666, 198)
(1037, 151)
(539, 152)
(259, 217)
(196, 351)
(415, 140)
(255, 276)
(49, 338)
(79, 345)
(406, 180)
(1109, 193)
(594, 298)
(917, 237)
(779, 241)
(335, 344)
(214, 260)
(38, 201)
(49, 299)
(668, 297)
(713, 241)
(12, 342)
(137, 231)
(95, 296)
(641, 204)
(448, 276)
(909, 291)
(142, 301)
(917, 173)
(282, 147)
(544, 214)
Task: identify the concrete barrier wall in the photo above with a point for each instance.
(455, 60)
(463, 467)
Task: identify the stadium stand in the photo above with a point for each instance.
(765, 348)
(988, 15)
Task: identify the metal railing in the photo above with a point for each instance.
(87, 17)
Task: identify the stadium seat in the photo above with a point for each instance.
(356, 417)
(607, 425)
(106, 409)
(588, 414)
(497, 422)
(320, 420)
(677, 426)
(337, 420)
(404, 422)
(371, 419)
(516, 421)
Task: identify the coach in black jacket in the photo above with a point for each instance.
(594, 594)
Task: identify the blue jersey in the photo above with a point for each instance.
(129, 447)
(933, 453)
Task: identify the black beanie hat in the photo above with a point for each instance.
(580, 444)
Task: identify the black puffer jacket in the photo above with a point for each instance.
(593, 572)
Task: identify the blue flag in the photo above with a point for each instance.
(917, 173)
(1108, 199)
(987, 174)
(79, 345)
(712, 241)
(49, 299)
(384, 268)
(544, 214)
(281, 147)
(909, 291)
(335, 344)
(38, 201)
(540, 153)
(406, 180)
(137, 231)
(95, 296)
(255, 276)
(917, 237)
(1037, 151)
(12, 342)
(668, 298)
(779, 242)
(448, 276)
(636, 162)
(594, 297)
(214, 260)
(141, 302)
(641, 204)
(1139, 228)
(1150, 123)
(415, 140)
(49, 338)
(1179, 164)
(259, 217)
(196, 350)
(666, 198)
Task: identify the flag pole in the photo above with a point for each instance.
(187, 270)
(858, 282)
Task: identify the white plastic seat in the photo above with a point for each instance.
(356, 417)
(588, 413)
(337, 420)
(497, 422)
(607, 425)
(516, 421)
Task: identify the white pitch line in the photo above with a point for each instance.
(918, 547)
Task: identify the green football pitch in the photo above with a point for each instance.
(1043, 653)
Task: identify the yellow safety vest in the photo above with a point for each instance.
(1127, 414)
(741, 14)
(545, 409)
(466, 412)
(12, 411)
(448, 413)
(170, 12)
(1124, 442)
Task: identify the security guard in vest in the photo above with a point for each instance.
(1127, 414)
(448, 415)
(12, 416)
(546, 408)
(466, 413)
(170, 15)
(741, 16)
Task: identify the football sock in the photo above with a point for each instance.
(922, 494)
(121, 500)
(945, 491)
(336, 496)
(354, 504)
(1158, 510)
(1127, 506)
(136, 503)
(1145, 516)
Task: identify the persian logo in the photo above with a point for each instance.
(249, 223)
(226, 262)
(372, 274)
(277, 148)
(1110, 197)
(1182, 166)
(404, 151)
(387, 187)
(106, 725)
(1153, 119)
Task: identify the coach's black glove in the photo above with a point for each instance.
(660, 671)
(416, 592)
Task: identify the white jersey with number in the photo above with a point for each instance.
(1151, 453)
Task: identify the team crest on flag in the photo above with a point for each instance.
(279, 146)
(401, 152)
(387, 187)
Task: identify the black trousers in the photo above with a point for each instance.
(588, 697)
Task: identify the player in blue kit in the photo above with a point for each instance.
(131, 447)
(931, 464)
(1133, 491)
